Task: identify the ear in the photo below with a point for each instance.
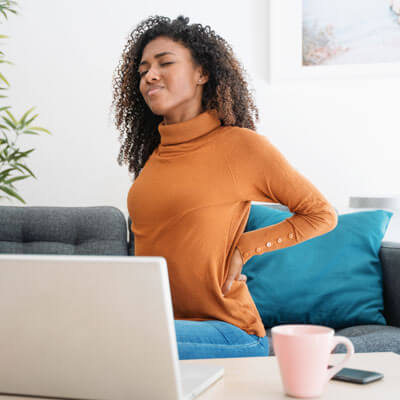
(202, 76)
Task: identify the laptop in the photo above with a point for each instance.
(92, 327)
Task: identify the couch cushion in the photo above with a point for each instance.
(63, 230)
(334, 279)
(371, 338)
(365, 338)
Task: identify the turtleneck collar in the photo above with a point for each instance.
(190, 129)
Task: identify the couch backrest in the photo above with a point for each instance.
(98, 230)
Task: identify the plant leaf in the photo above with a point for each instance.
(6, 171)
(30, 132)
(22, 120)
(12, 117)
(9, 122)
(2, 77)
(12, 193)
(22, 155)
(38, 128)
(26, 169)
(11, 156)
(3, 13)
(15, 166)
(25, 153)
(17, 178)
(28, 122)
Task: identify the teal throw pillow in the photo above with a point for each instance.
(334, 279)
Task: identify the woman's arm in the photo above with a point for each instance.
(262, 173)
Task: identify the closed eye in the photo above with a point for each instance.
(162, 64)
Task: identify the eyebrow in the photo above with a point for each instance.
(157, 56)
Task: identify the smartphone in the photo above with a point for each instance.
(356, 375)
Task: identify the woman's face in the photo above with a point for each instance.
(170, 83)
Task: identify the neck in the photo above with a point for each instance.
(176, 116)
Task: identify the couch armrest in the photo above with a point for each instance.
(390, 257)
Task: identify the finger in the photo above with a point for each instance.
(227, 286)
(228, 283)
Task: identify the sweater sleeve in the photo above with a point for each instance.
(262, 173)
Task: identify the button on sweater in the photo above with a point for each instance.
(191, 202)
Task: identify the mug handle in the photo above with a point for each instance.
(350, 351)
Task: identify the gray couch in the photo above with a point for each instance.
(104, 230)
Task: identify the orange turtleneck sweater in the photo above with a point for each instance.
(191, 202)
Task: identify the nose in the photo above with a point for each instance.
(152, 75)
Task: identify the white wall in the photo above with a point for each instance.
(343, 134)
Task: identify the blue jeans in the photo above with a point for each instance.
(216, 339)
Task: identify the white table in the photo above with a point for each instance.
(258, 378)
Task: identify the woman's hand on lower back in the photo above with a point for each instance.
(235, 272)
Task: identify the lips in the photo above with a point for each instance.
(153, 90)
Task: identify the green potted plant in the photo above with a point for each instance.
(12, 158)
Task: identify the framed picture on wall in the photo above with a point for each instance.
(312, 39)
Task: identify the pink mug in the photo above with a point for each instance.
(303, 356)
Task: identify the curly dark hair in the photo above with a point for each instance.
(226, 89)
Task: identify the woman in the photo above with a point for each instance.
(186, 119)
